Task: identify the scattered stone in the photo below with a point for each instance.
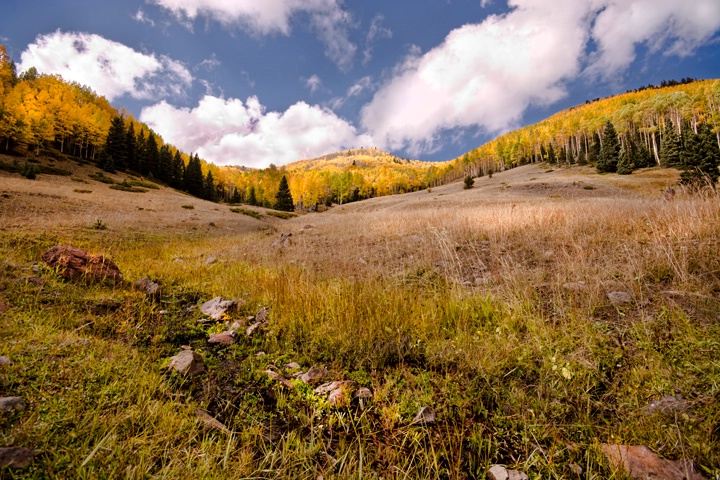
(574, 286)
(260, 354)
(619, 298)
(11, 405)
(251, 329)
(362, 261)
(5, 361)
(576, 469)
(283, 241)
(16, 457)
(498, 472)
(188, 363)
(276, 376)
(667, 405)
(641, 463)
(75, 264)
(217, 307)
(34, 280)
(307, 228)
(262, 315)
(224, 338)
(363, 392)
(148, 287)
(314, 375)
(292, 365)
(210, 260)
(209, 421)
(425, 416)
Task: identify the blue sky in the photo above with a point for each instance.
(254, 82)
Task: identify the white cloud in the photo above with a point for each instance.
(314, 83)
(266, 17)
(485, 76)
(678, 27)
(209, 63)
(376, 32)
(365, 83)
(230, 132)
(141, 17)
(110, 68)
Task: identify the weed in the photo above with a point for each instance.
(188, 207)
(245, 211)
(282, 215)
(99, 225)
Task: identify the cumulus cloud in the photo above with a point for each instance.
(327, 18)
(110, 68)
(678, 27)
(485, 76)
(230, 132)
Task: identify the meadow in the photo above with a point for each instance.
(488, 305)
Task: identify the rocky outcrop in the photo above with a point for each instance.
(75, 264)
(217, 307)
(187, 363)
(16, 457)
(640, 463)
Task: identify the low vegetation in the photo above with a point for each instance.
(489, 305)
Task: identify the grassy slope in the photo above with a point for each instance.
(448, 298)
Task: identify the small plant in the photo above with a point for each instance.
(100, 177)
(588, 187)
(282, 215)
(30, 171)
(188, 207)
(125, 186)
(469, 182)
(99, 225)
(245, 211)
(81, 190)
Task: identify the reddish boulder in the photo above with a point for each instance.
(75, 264)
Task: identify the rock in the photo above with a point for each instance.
(188, 363)
(313, 375)
(640, 463)
(283, 241)
(217, 307)
(224, 338)
(425, 416)
(292, 365)
(75, 264)
(574, 286)
(307, 228)
(363, 392)
(262, 315)
(210, 260)
(498, 472)
(5, 361)
(576, 469)
(251, 329)
(619, 298)
(276, 376)
(11, 405)
(667, 405)
(148, 287)
(260, 354)
(339, 397)
(209, 421)
(16, 457)
(235, 327)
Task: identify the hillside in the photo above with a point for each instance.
(546, 309)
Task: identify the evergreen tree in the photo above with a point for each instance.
(283, 199)
(152, 157)
(609, 151)
(701, 159)
(178, 169)
(252, 197)
(625, 165)
(581, 158)
(209, 188)
(140, 157)
(105, 161)
(131, 148)
(235, 198)
(671, 149)
(193, 181)
(115, 149)
(641, 156)
(165, 159)
(593, 153)
(551, 158)
(469, 182)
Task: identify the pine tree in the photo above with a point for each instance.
(152, 157)
(114, 156)
(193, 181)
(131, 148)
(593, 153)
(283, 199)
(165, 159)
(671, 149)
(609, 151)
(469, 182)
(701, 158)
(178, 169)
(551, 158)
(252, 197)
(209, 192)
(625, 165)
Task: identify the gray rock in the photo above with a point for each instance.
(576, 469)
(329, 387)
(188, 363)
(217, 307)
(224, 338)
(619, 298)
(262, 315)
(5, 361)
(209, 421)
(16, 457)
(425, 416)
(668, 405)
(235, 327)
(313, 375)
(252, 328)
(210, 260)
(11, 405)
(363, 392)
(272, 375)
(147, 286)
(498, 472)
(640, 463)
(574, 286)
(292, 365)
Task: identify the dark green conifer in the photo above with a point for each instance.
(252, 197)
(609, 150)
(625, 165)
(671, 148)
(283, 199)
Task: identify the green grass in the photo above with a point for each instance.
(281, 215)
(532, 377)
(248, 212)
